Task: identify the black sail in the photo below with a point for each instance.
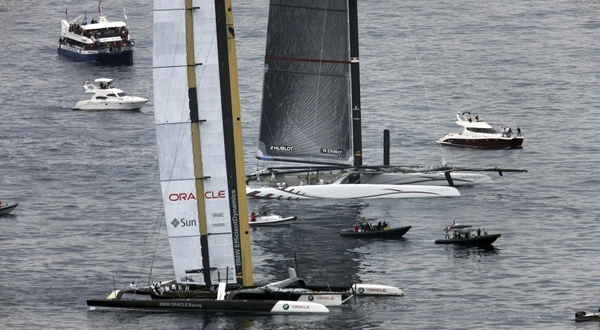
(306, 103)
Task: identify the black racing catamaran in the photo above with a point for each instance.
(199, 136)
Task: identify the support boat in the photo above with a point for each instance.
(375, 230)
(466, 236)
(257, 220)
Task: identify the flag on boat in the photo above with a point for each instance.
(452, 225)
(100, 7)
(85, 18)
(124, 13)
(66, 12)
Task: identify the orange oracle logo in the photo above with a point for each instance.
(176, 197)
(210, 194)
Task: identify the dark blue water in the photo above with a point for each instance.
(89, 197)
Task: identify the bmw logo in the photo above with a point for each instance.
(286, 307)
(311, 298)
(361, 290)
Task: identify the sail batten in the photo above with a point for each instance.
(318, 60)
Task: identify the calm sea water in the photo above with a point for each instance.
(89, 199)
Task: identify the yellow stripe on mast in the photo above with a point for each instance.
(195, 127)
(244, 227)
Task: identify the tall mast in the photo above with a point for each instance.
(234, 146)
(355, 80)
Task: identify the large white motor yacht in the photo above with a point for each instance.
(107, 97)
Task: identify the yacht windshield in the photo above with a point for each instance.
(482, 130)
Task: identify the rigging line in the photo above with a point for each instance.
(156, 239)
(148, 239)
(412, 40)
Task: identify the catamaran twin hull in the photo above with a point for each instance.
(351, 191)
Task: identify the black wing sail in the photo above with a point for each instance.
(306, 103)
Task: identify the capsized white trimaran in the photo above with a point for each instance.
(201, 163)
(311, 113)
(350, 191)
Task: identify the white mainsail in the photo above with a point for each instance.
(198, 131)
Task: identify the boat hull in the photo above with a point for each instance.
(582, 316)
(271, 221)
(351, 191)
(325, 298)
(123, 57)
(109, 105)
(363, 289)
(209, 305)
(7, 209)
(485, 240)
(483, 143)
(389, 233)
(428, 179)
